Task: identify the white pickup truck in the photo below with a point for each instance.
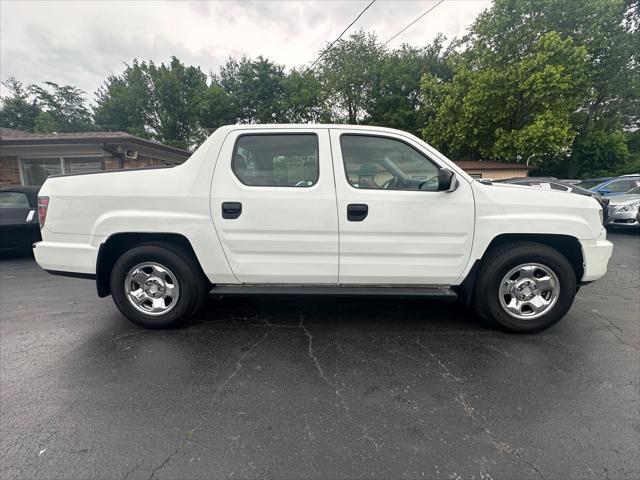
(320, 209)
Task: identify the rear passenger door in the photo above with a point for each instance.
(274, 207)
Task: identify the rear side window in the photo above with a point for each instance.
(13, 200)
(276, 160)
(621, 186)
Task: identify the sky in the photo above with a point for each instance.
(80, 43)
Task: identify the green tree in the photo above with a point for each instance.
(46, 123)
(600, 153)
(303, 99)
(18, 110)
(123, 102)
(515, 111)
(65, 106)
(216, 108)
(350, 73)
(607, 29)
(396, 101)
(176, 93)
(162, 102)
(256, 87)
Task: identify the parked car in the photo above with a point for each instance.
(570, 181)
(19, 227)
(589, 183)
(623, 210)
(555, 184)
(320, 209)
(617, 186)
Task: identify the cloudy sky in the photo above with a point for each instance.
(80, 43)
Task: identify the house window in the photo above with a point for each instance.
(476, 175)
(82, 165)
(36, 170)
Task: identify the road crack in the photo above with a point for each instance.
(321, 373)
(205, 414)
(470, 412)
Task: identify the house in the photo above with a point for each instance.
(493, 170)
(29, 158)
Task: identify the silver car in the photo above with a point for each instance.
(623, 210)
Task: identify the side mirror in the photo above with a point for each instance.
(446, 180)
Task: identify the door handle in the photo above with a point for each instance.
(357, 212)
(231, 210)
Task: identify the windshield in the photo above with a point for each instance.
(634, 191)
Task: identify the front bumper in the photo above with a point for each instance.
(77, 258)
(596, 254)
(617, 218)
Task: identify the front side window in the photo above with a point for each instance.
(277, 160)
(13, 200)
(36, 170)
(381, 163)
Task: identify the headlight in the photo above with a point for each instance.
(601, 215)
(629, 208)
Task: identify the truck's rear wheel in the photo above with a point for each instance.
(157, 286)
(524, 287)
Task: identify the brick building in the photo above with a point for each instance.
(493, 170)
(29, 158)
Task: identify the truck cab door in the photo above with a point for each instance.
(395, 226)
(274, 207)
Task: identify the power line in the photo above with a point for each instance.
(326, 50)
(412, 22)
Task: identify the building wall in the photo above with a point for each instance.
(113, 163)
(498, 174)
(9, 172)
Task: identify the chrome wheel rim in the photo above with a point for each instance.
(151, 288)
(529, 291)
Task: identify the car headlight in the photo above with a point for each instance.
(600, 212)
(629, 208)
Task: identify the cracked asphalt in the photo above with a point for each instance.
(317, 388)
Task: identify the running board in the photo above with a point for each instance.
(436, 293)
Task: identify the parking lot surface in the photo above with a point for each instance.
(318, 388)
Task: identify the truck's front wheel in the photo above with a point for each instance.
(157, 286)
(524, 287)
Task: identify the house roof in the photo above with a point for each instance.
(489, 165)
(10, 136)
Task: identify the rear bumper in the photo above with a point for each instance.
(70, 258)
(596, 254)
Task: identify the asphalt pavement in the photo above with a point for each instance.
(317, 388)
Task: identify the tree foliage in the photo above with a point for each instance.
(551, 83)
(508, 111)
(45, 108)
(542, 81)
(17, 110)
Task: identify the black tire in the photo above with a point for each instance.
(498, 262)
(191, 281)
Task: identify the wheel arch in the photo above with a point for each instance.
(566, 245)
(118, 243)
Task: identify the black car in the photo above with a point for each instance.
(550, 183)
(19, 226)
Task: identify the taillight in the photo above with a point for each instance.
(43, 205)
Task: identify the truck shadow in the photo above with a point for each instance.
(355, 312)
